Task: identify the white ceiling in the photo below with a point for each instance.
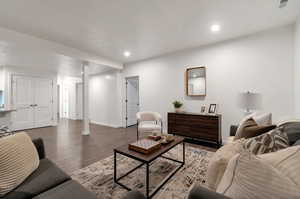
(25, 51)
(145, 27)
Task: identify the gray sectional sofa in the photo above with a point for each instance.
(48, 182)
(198, 192)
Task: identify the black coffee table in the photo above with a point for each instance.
(147, 160)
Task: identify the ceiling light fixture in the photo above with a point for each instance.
(107, 76)
(127, 54)
(215, 28)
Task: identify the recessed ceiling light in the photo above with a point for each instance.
(127, 54)
(215, 28)
(107, 76)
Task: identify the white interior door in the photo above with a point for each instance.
(23, 101)
(79, 99)
(132, 101)
(43, 98)
(33, 100)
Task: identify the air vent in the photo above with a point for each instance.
(283, 3)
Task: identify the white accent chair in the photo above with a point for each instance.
(148, 122)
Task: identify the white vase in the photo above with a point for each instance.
(178, 110)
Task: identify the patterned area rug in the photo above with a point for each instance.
(98, 177)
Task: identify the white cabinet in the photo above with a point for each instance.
(32, 98)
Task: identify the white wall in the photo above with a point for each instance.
(262, 63)
(105, 99)
(297, 68)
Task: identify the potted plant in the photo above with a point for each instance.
(177, 106)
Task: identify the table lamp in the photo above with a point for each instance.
(250, 101)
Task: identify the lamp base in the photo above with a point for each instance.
(247, 112)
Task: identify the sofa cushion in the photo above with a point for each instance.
(268, 142)
(69, 189)
(296, 143)
(198, 192)
(287, 161)
(218, 163)
(228, 140)
(248, 176)
(47, 176)
(18, 159)
(292, 129)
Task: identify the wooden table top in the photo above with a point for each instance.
(152, 156)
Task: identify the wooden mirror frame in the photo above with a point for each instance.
(187, 81)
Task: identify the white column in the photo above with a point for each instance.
(85, 87)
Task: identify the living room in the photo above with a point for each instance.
(86, 87)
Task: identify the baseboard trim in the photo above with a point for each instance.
(105, 124)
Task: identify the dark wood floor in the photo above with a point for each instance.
(71, 151)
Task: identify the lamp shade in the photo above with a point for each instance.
(250, 101)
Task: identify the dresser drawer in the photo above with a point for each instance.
(204, 127)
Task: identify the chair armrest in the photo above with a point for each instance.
(199, 192)
(134, 195)
(233, 129)
(39, 145)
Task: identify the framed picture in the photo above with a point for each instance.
(202, 109)
(212, 108)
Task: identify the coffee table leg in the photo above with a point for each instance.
(183, 150)
(147, 180)
(115, 166)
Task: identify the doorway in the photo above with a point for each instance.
(79, 101)
(132, 100)
(58, 102)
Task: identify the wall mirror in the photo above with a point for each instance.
(196, 81)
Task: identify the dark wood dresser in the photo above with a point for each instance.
(196, 125)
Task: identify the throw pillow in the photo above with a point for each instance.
(248, 176)
(241, 124)
(268, 142)
(263, 119)
(18, 159)
(218, 163)
(250, 129)
(287, 161)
